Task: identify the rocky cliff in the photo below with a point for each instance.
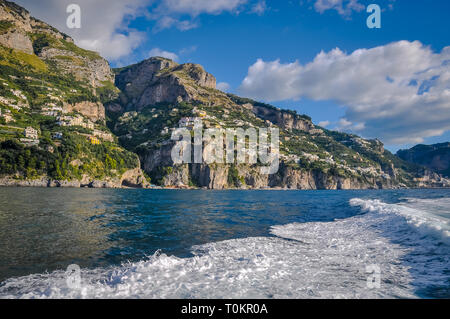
(157, 93)
(159, 80)
(52, 123)
(435, 157)
(52, 96)
(16, 23)
(24, 33)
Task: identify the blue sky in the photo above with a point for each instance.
(228, 37)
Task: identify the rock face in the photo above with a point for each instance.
(159, 80)
(16, 23)
(283, 119)
(435, 157)
(217, 177)
(17, 40)
(133, 178)
(311, 158)
(21, 32)
(95, 71)
(94, 111)
(18, 29)
(130, 179)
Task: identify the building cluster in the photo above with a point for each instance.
(104, 135)
(6, 115)
(52, 110)
(189, 122)
(16, 105)
(31, 137)
(75, 121)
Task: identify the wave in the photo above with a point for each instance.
(430, 217)
(301, 260)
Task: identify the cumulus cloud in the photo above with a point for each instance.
(223, 86)
(343, 7)
(324, 123)
(172, 13)
(105, 23)
(164, 54)
(399, 92)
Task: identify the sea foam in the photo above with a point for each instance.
(301, 260)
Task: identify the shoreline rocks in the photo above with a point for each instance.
(130, 179)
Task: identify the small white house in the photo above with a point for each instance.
(31, 133)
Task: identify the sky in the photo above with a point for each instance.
(317, 57)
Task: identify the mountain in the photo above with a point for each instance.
(157, 93)
(68, 119)
(52, 124)
(435, 157)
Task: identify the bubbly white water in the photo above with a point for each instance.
(304, 260)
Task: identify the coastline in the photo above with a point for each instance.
(131, 179)
(111, 184)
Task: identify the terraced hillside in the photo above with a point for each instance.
(52, 122)
(68, 119)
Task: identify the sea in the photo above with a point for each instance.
(131, 243)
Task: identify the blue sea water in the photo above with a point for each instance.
(224, 244)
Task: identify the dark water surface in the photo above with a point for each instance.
(45, 229)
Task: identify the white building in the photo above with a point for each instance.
(6, 115)
(189, 122)
(31, 133)
(75, 121)
(104, 135)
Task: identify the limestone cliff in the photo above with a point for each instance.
(44, 74)
(158, 92)
(159, 80)
(16, 23)
(283, 119)
(95, 111)
(24, 33)
(51, 94)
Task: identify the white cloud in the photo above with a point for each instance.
(343, 7)
(324, 123)
(223, 86)
(171, 13)
(399, 92)
(164, 54)
(346, 125)
(197, 7)
(167, 22)
(104, 23)
(260, 7)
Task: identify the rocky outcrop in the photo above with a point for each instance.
(94, 111)
(91, 69)
(283, 119)
(18, 29)
(159, 80)
(17, 40)
(198, 74)
(16, 23)
(133, 178)
(130, 179)
(216, 177)
(20, 26)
